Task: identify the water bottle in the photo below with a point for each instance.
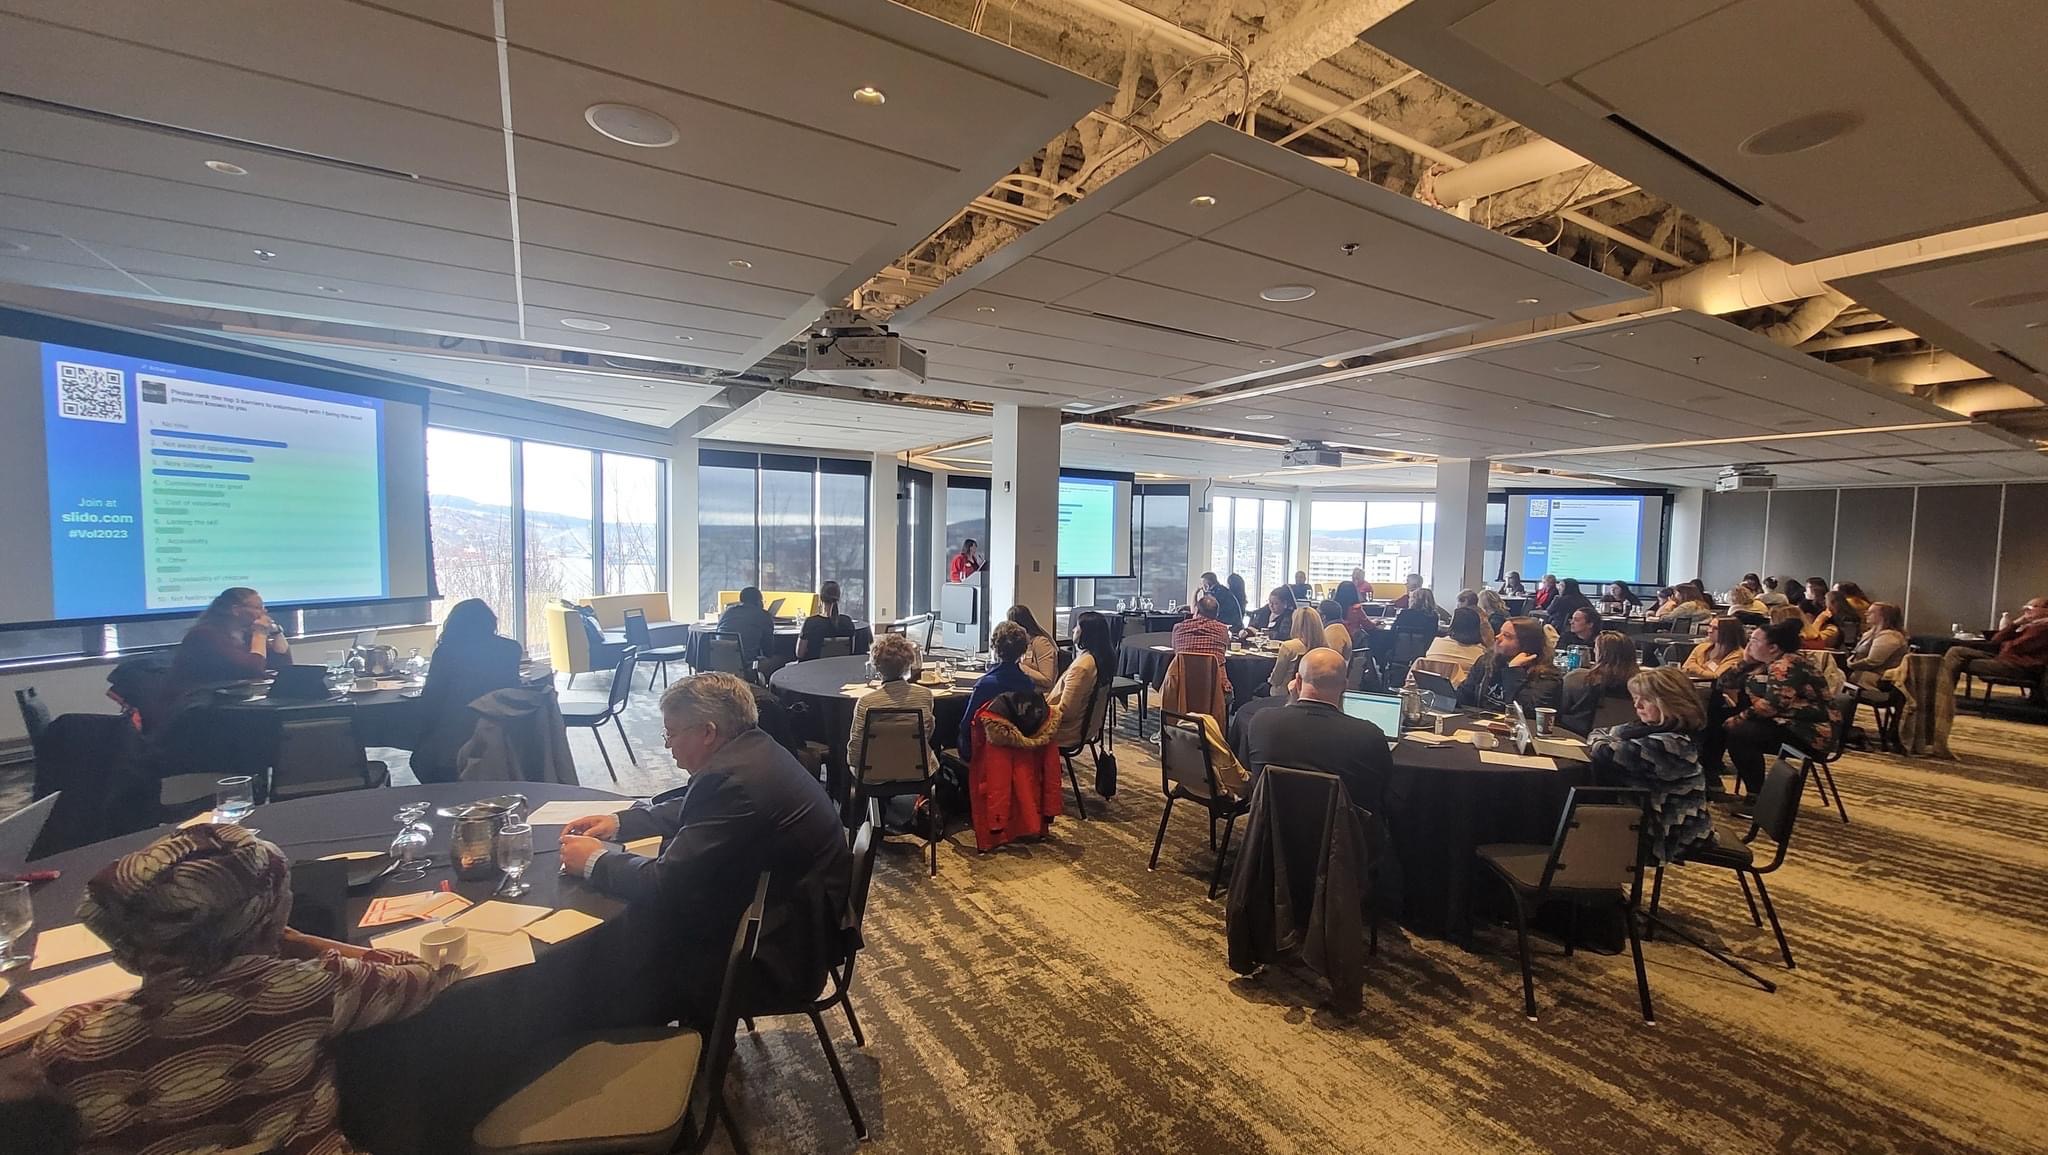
(2005, 620)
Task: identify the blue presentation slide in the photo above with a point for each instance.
(170, 483)
(1088, 528)
(1593, 538)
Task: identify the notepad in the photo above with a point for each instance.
(47, 999)
(1525, 761)
(498, 917)
(563, 813)
(427, 904)
(1576, 751)
(66, 944)
(1427, 738)
(563, 924)
(649, 846)
(201, 817)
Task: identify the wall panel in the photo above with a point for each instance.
(2023, 552)
(1870, 541)
(1801, 541)
(1955, 554)
(1731, 538)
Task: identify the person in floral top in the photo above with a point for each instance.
(228, 1044)
(1777, 699)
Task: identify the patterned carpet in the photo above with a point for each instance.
(1060, 998)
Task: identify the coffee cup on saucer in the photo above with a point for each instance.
(445, 946)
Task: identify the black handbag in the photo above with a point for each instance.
(1105, 774)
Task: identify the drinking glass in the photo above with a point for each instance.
(513, 852)
(409, 847)
(233, 799)
(17, 918)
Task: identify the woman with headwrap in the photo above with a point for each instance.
(228, 1043)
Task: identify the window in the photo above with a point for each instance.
(469, 503)
(781, 523)
(1273, 555)
(913, 541)
(556, 498)
(1387, 539)
(632, 524)
(1336, 539)
(966, 514)
(1249, 536)
(1162, 528)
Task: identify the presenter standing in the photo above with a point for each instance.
(965, 564)
(232, 641)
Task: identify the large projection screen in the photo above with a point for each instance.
(1596, 536)
(1095, 524)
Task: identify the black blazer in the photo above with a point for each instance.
(752, 808)
(1492, 684)
(461, 673)
(1228, 611)
(1311, 735)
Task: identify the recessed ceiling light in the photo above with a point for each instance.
(1579, 367)
(2030, 324)
(1288, 293)
(1390, 434)
(984, 308)
(264, 254)
(684, 337)
(631, 124)
(2010, 300)
(1258, 417)
(226, 168)
(328, 288)
(1528, 300)
(1204, 201)
(1268, 361)
(1333, 364)
(585, 324)
(646, 385)
(738, 263)
(869, 95)
(1802, 133)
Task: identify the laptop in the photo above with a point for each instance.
(18, 830)
(1382, 710)
(365, 639)
(1438, 687)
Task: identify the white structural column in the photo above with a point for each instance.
(682, 523)
(1023, 510)
(1682, 554)
(1460, 526)
(883, 603)
(1304, 499)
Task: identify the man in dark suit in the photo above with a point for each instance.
(751, 620)
(1314, 733)
(749, 807)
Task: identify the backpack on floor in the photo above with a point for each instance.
(1105, 773)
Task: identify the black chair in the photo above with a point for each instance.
(1408, 645)
(835, 646)
(841, 971)
(319, 752)
(593, 710)
(642, 639)
(1186, 773)
(1888, 704)
(1775, 814)
(724, 653)
(1092, 736)
(1122, 690)
(1363, 673)
(1843, 706)
(1675, 653)
(896, 761)
(606, 1091)
(35, 717)
(1598, 854)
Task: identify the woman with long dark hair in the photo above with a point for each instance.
(232, 641)
(1094, 660)
(469, 661)
(1042, 659)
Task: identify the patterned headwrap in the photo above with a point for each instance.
(191, 901)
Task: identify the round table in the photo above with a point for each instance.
(783, 645)
(423, 1083)
(1146, 656)
(1443, 804)
(822, 682)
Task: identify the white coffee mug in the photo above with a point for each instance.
(444, 946)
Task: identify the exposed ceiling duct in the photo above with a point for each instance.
(1858, 340)
(1509, 168)
(1812, 315)
(1932, 368)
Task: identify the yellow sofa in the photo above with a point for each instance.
(611, 608)
(569, 645)
(1388, 591)
(794, 603)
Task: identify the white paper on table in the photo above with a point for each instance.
(66, 944)
(649, 846)
(563, 924)
(498, 917)
(1576, 751)
(563, 813)
(196, 819)
(1427, 738)
(499, 952)
(1525, 761)
(47, 999)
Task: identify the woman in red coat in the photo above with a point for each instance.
(1013, 775)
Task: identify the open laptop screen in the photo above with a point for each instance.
(1382, 710)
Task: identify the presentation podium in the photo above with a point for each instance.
(963, 624)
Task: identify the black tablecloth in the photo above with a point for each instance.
(1142, 658)
(819, 682)
(1443, 805)
(782, 645)
(420, 1085)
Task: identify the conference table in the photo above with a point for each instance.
(783, 645)
(1146, 657)
(421, 1084)
(830, 686)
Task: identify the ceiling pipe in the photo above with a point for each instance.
(1981, 397)
(1812, 315)
(1509, 168)
(1933, 368)
(1884, 336)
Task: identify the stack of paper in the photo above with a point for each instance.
(563, 924)
(1525, 761)
(649, 846)
(563, 813)
(498, 917)
(427, 904)
(66, 944)
(46, 999)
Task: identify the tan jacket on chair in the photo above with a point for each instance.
(1196, 684)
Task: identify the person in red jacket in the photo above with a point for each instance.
(2021, 654)
(965, 564)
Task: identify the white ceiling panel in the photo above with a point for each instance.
(1781, 123)
(1184, 305)
(810, 421)
(1990, 308)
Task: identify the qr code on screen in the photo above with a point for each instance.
(91, 393)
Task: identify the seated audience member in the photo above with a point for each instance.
(1235, 584)
(894, 656)
(2019, 651)
(751, 807)
(1658, 752)
(1754, 583)
(1094, 661)
(1588, 688)
(1336, 634)
(1464, 645)
(1789, 613)
(1881, 649)
(1518, 669)
(200, 915)
(1494, 609)
(1358, 621)
(1358, 580)
(1836, 627)
(1666, 604)
(1857, 600)
(1581, 630)
(1420, 616)
(1720, 652)
(1770, 595)
(1816, 594)
(1301, 589)
(1346, 594)
(1692, 608)
(1619, 599)
(1546, 592)
(1743, 600)
(1202, 633)
(1305, 634)
(1314, 733)
(828, 622)
(750, 619)
(1041, 655)
(470, 660)
(1413, 583)
(1780, 699)
(1009, 643)
(1795, 595)
(233, 640)
(1568, 600)
(1511, 586)
(1470, 599)
(1229, 610)
(1014, 786)
(1274, 616)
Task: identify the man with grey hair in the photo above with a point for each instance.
(749, 807)
(1314, 733)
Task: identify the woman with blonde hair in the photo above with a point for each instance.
(1305, 633)
(1657, 752)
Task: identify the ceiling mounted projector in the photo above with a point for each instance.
(1311, 453)
(1740, 477)
(854, 348)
